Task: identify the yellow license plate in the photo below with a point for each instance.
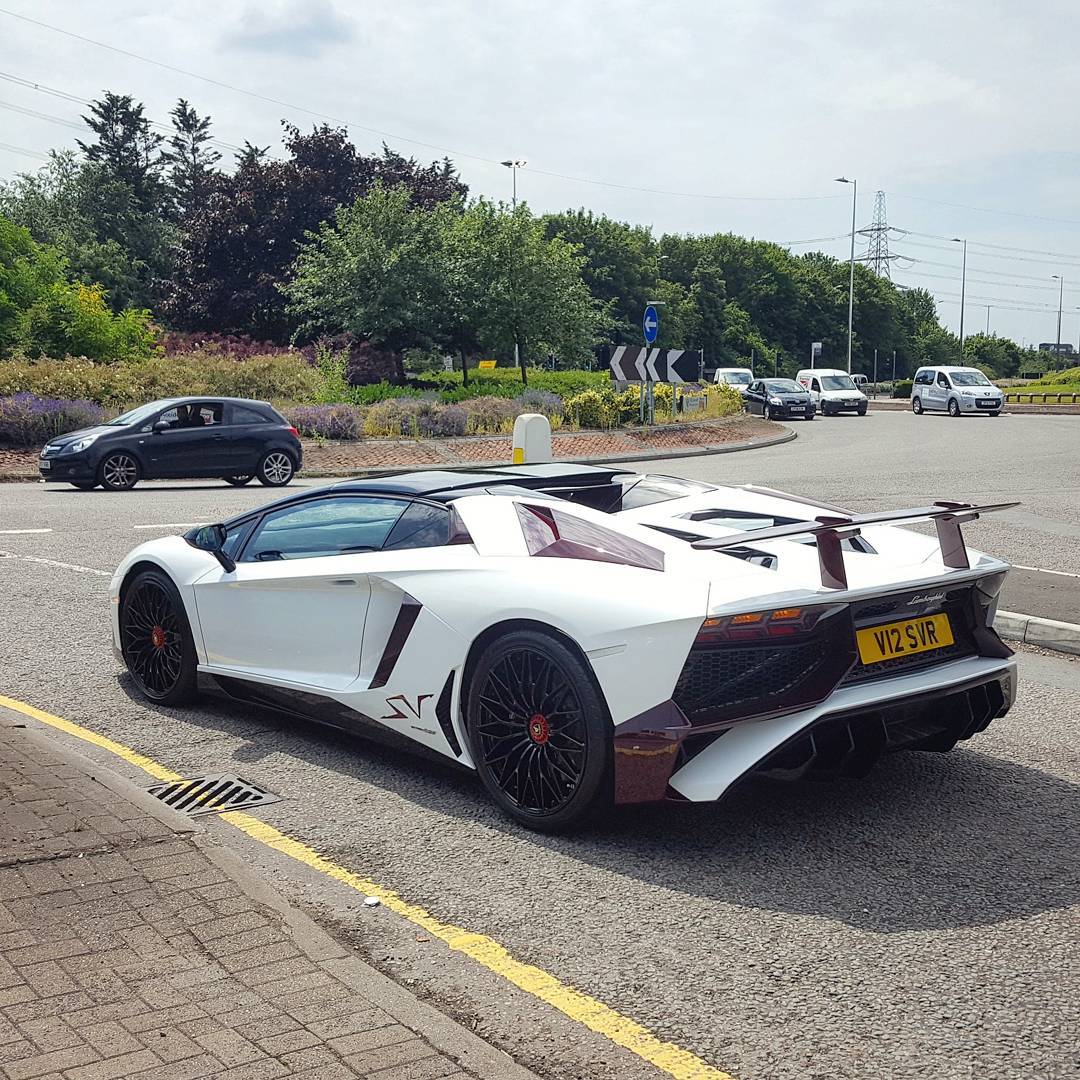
(905, 638)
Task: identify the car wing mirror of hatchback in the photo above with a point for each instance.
(160, 426)
(212, 538)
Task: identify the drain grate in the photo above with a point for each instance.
(212, 794)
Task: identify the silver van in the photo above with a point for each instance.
(955, 390)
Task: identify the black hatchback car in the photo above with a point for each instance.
(776, 398)
(229, 438)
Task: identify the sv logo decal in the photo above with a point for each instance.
(416, 709)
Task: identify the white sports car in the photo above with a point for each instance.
(582, 636)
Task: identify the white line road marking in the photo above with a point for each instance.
(59, 565)
(22, 532)
(1040, 570)
(170, 525)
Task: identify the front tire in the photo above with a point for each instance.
(156, 640)
(539, 732)
(766, 413)
(916, 406)
(276, 469)
(862, 410)
(954, 407)
(240, 481)
(810, 416)
(119, 471)
(995, 412)
(88, 485)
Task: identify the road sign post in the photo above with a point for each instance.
(650, 328)
(815, 353)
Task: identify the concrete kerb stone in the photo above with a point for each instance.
(441, 1031)
(1046, 633)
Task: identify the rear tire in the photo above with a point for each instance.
(539, 732)
(916, 406)
(240, 481)
(89, 485)
(118, 471)
(156, 641)
(276, 469)
(954, 407)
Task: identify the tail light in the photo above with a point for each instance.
(294, 432)
(761, 625)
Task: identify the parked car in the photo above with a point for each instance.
(681, 636)
(739, 377)
(229, 438)
(954, 390)
(861, 381)
(776, 398)
(833, 391)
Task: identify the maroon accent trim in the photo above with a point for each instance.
(407, 615)
(646, 750)
(830, 553)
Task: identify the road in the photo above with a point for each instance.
(920, 923)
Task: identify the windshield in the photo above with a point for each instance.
(134, 416)
(837, 382)
(736, 378)
(784, 386)
(970, 378)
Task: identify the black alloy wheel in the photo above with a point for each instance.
(954, 407)
(84, 485)
(539, 732)
(916, 406)
(156, 640)
(240, 481)
(118, 471)
(276, 469)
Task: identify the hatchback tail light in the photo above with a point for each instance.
(293, 431)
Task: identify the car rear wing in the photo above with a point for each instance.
(831, 530)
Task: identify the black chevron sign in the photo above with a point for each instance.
(632, 363)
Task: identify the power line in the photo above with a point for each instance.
(42, 116)
(987, 209)
(985, 244)
(22, 150)
(403, 138)
(1009, 258)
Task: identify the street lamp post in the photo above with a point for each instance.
(851, 275)
(963, 292)
(1060, 279)
(513, 164)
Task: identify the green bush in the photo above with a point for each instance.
(592, 409)
(1059, 378)
(902, 389)
(281, 377)
(506, 382)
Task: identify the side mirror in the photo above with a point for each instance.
(160, 426)
(212, 538)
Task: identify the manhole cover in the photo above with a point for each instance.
(212, 794)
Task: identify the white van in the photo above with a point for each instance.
(954, 390)
(739, 377)
(833, 391)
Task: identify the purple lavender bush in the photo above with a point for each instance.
(27, 420)
(327, 421)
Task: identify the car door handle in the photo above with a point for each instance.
(217, 438)
(345, 581)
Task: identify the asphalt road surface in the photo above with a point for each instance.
(922, 922)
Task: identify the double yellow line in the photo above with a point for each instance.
(595, 1015)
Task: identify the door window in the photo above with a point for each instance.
(422, 525)
(942, 380)
(336, 526)
(182, 417)
(815, 386)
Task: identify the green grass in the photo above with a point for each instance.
(1043, 388)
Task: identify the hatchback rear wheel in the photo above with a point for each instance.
(276, 469)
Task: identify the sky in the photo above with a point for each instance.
(697, 116)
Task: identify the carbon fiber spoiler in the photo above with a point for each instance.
(830, 530)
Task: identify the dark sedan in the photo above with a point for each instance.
(779, 398)
(228, 438)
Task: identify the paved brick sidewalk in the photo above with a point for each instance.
(129, 948)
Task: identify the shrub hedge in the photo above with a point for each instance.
(27, 420)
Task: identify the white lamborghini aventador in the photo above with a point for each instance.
(582, 636)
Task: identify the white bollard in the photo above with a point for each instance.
(532, 439)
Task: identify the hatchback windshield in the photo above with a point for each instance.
(783, 386)
(970, 378)
(736, 378)
(837, 382)
(134, 416)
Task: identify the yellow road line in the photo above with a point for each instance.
(669, 1058)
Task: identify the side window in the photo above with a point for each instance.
(332, 526)
(241, 414)
(815, 386)
(235, 537)
(942, 380)
(422, 525)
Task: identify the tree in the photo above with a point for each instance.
(126, 146)
(191, 161)
(240, 244)
(377, 271)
